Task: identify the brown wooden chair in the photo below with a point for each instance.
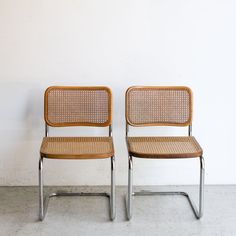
(161, 106)
(77, 106)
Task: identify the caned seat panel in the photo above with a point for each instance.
(164, 147)
(77, 147)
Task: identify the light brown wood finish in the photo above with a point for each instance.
(164, 147)
(159, 106)
(77, 147)
(78, 106)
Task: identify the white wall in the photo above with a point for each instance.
(118, 43)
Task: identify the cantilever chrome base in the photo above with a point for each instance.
(150, 193)
(43, 211)
(131, 194)
(43, 201)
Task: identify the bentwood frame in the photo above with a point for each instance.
(137, 99)
(55, 98)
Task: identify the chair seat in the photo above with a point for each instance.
(77, 147)
(164, 147)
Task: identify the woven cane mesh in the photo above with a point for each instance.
(164, 147)
(77, 147)
(67, 106)
(158, 106)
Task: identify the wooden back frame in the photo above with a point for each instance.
(163, 88)
(108, 122)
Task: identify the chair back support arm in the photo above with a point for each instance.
(47, 130)
(127, 129)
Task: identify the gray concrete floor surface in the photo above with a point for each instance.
(153, 215)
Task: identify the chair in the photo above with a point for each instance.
(161, 106)
(77, 106)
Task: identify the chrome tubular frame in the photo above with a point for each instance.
(198, 212)
(190, 130)
(130, 189)
(44, 200)
(113, 190)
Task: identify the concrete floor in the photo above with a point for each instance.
(155, 215)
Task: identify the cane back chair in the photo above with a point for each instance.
(77, 106)
(161, 106)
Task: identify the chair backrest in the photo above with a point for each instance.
(159, 106)
(78, 106)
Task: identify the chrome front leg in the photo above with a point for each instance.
(130, 189)
(113, 190)
(41, 196)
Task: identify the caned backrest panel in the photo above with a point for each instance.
(78, 106)
(159, 106)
